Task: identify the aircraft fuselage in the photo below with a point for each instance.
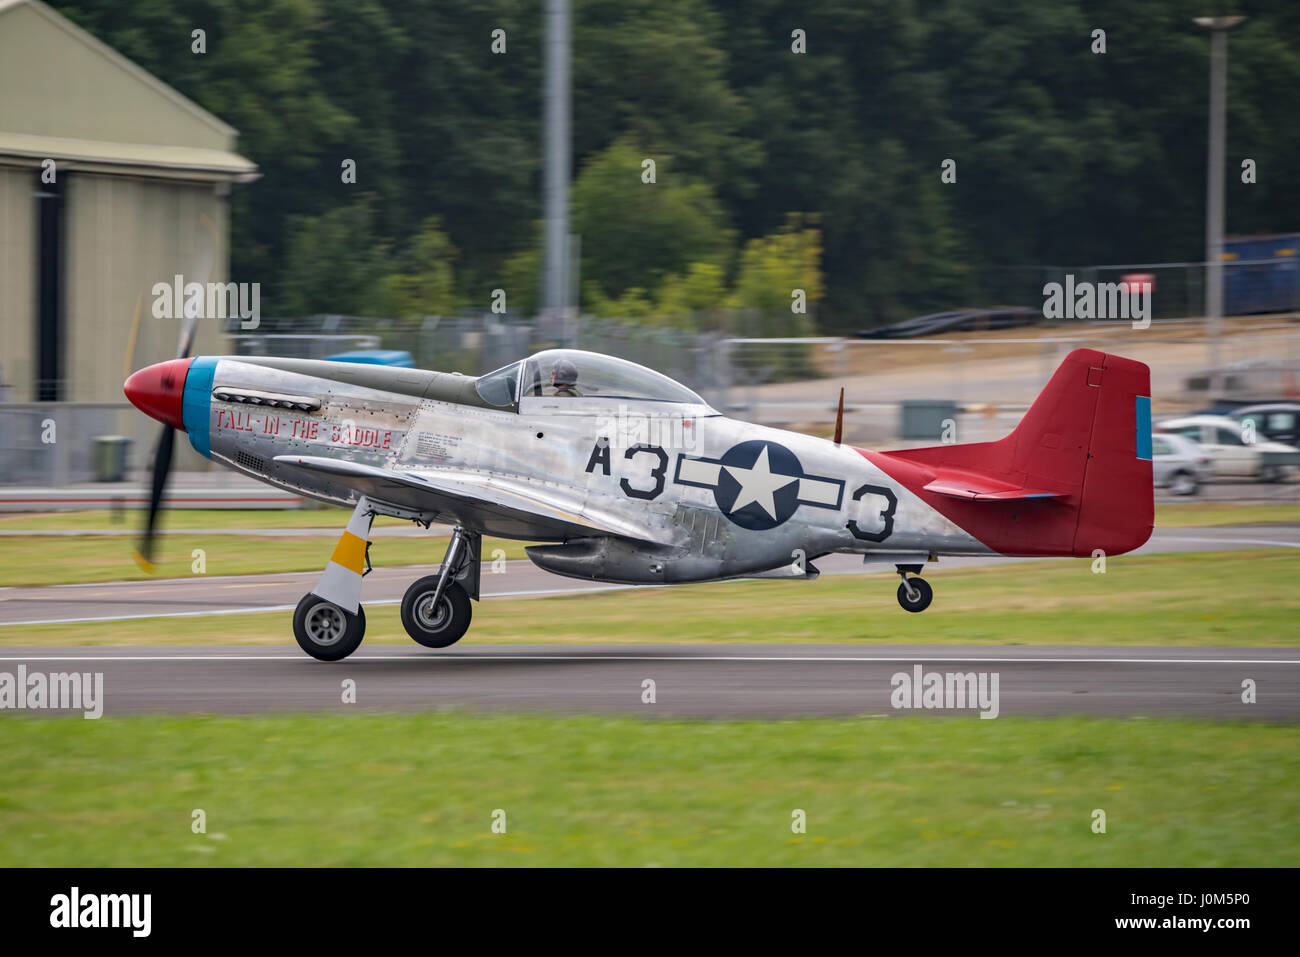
(719, 496)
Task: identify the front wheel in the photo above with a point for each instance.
(1183, 483)
(922, 590)
(325, 630)
(440, 626)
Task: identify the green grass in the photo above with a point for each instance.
(421, 790)
(1183, 515)
(1246, 598)
(94, 558)
(67, 560)
(1197, 515)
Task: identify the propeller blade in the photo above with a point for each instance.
(162, 466)
(202, 270)
(162, 460)
(187, 338)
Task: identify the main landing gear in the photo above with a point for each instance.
(914, 594)
(329, 621)
(435, 610)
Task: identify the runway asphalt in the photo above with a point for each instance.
(216, 595)
(757, 681)
(690, 680)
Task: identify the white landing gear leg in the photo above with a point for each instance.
(329, 622)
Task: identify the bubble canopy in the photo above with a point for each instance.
(573, 374)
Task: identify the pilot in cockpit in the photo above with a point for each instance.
(564, 378)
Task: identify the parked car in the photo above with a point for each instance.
(1178, 463)
(1275, 421)
(1230, 455)
(958, 320)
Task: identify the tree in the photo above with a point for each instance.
(778, 271)
(333, 263)
(654, 72)
(1063, 156)
(424, 283)
(635, 233)
(692, 299)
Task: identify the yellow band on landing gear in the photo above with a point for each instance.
(340, 582)
(350, 553)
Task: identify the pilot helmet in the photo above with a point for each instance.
(564, 372)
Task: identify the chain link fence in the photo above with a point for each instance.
(45, 444)
(791, 382)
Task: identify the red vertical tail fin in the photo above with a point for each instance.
(1073, 477)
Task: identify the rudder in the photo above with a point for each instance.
(1117, 511)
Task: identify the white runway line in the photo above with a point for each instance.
(267, 578)
(172, 614)
(816, 659)
(217, 582)
(1239, 541)
(266, 608)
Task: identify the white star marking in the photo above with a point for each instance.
(757, 484)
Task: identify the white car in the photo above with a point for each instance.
(1178, 463)
(1230, 455)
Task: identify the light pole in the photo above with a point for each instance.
(555, 133)
(1218, 27)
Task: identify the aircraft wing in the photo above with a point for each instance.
(475, 500)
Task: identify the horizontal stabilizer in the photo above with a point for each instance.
(984, 489)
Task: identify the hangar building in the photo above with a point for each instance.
(136, 193)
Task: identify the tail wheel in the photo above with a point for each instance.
(919, 600)
(325, 630)
(440, 625)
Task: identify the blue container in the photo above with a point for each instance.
(1262, 286)
(377, 357)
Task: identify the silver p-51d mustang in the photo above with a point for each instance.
(631, 477)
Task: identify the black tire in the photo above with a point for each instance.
(1270, 473)
(326, 631)
(924, 597)
(443, 627)
(1183, 482)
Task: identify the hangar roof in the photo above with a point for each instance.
(71, 98)
(102, 156)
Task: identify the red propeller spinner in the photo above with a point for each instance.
(158, 391)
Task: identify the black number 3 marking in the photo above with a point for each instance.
(656, 473)
(887, 513)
